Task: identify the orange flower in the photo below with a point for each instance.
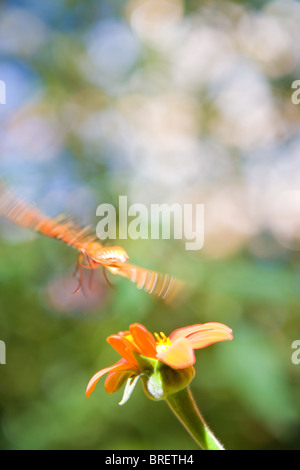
(140, 351)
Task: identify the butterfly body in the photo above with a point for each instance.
(110, 256)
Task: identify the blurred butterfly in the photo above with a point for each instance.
(92, 254)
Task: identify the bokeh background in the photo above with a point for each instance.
(162, 101)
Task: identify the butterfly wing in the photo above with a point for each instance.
(163, 286)
(29, 216)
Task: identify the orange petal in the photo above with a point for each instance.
(116, 367)
(204, 334)
(115, 380)
(143, 339)
(179, 355)
(123, 347)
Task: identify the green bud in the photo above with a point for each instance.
(163, 380)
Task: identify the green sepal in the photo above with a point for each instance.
(146, 364)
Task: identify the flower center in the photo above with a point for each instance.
(129, 337)
(162, 342)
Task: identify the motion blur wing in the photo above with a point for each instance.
(162, 285)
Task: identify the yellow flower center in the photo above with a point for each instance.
(129, 337)
(162, 342)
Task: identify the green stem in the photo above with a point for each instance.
(184, 407)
